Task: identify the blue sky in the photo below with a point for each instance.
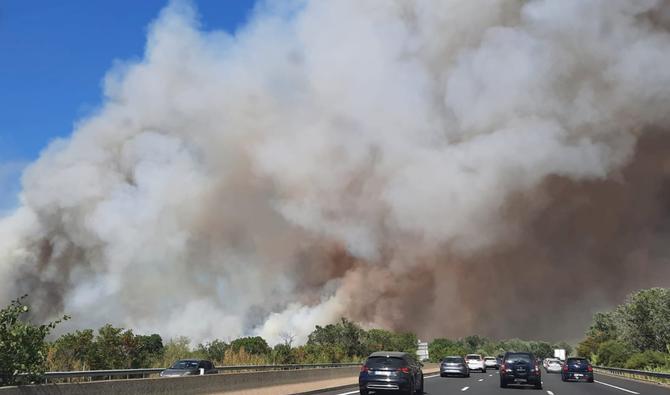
(53, 57)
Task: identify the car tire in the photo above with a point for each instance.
(443, 375)
(538, 386)
(420, 389)
(563, 378)
(484, 370)
(363, 391)
(503, 384)
(591, 380)
(467, 375)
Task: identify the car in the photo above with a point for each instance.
(475, 362)
(553, 365)
(189, 367)
(577, 369)
(491, 362)
(391, 371)
(520, 368)
(454, 366)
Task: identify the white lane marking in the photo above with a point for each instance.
(349, 393)
(550, 393)
(430, 377)
(464, 388)
(619, 388)
(490, 375)
(480, 380)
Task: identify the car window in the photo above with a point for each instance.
(469, 357)
(184, 365)
(453, 360)
(385, 362)
(516, 358)
(577, 361)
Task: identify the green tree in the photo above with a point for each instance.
(148, 348)
(344, 336)
(283, 354)
(644, 320)
(647, 360)
(613, 353)
(22, 345)
(253, 345)
(588, 347)
(72, 351)
(214, 350)
(474, 343)
(441, 348)
(542, 349)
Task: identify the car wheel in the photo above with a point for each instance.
(503, 384)
(484, 370)
(363, 391)
(420, 389)
(538, 385)
(563, 378)
(590, 379)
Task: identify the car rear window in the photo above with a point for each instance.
(385, 362)
(490, 359)
(515, 358)
(577, 360)
(477, 357)
(453, 360)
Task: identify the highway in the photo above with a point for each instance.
(488, 383)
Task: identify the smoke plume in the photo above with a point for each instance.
(445, 167)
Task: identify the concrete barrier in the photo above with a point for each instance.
(209, 384)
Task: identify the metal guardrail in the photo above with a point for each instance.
(142, 373)
(631, 372)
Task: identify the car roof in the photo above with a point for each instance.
(454, 356)
(396, 354)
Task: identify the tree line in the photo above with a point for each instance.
(634, 335)
(443, 347)
(24, 347)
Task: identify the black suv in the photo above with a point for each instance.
(388, 370)
(520, 368)
(577, 369)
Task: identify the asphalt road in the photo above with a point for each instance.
(488, 383)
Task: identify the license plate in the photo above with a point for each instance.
(381, 373)
(578, 375)
(520, 380)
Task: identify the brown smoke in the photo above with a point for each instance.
(434, 166)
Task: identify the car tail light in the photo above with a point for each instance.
(404, 370)
(590, 368)
(364, 368)
(565, 367)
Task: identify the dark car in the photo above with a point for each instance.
(520, 368)
(189, 367)
(577, 369)
(391, 371)
(454, 366)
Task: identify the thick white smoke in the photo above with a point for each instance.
(326, 159)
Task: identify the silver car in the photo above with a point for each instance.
(454, 366)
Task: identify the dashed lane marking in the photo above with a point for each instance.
(480, 380)
(619, 388)
(490, 375)
(464, 388)
(550, 393)
(349, 393)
